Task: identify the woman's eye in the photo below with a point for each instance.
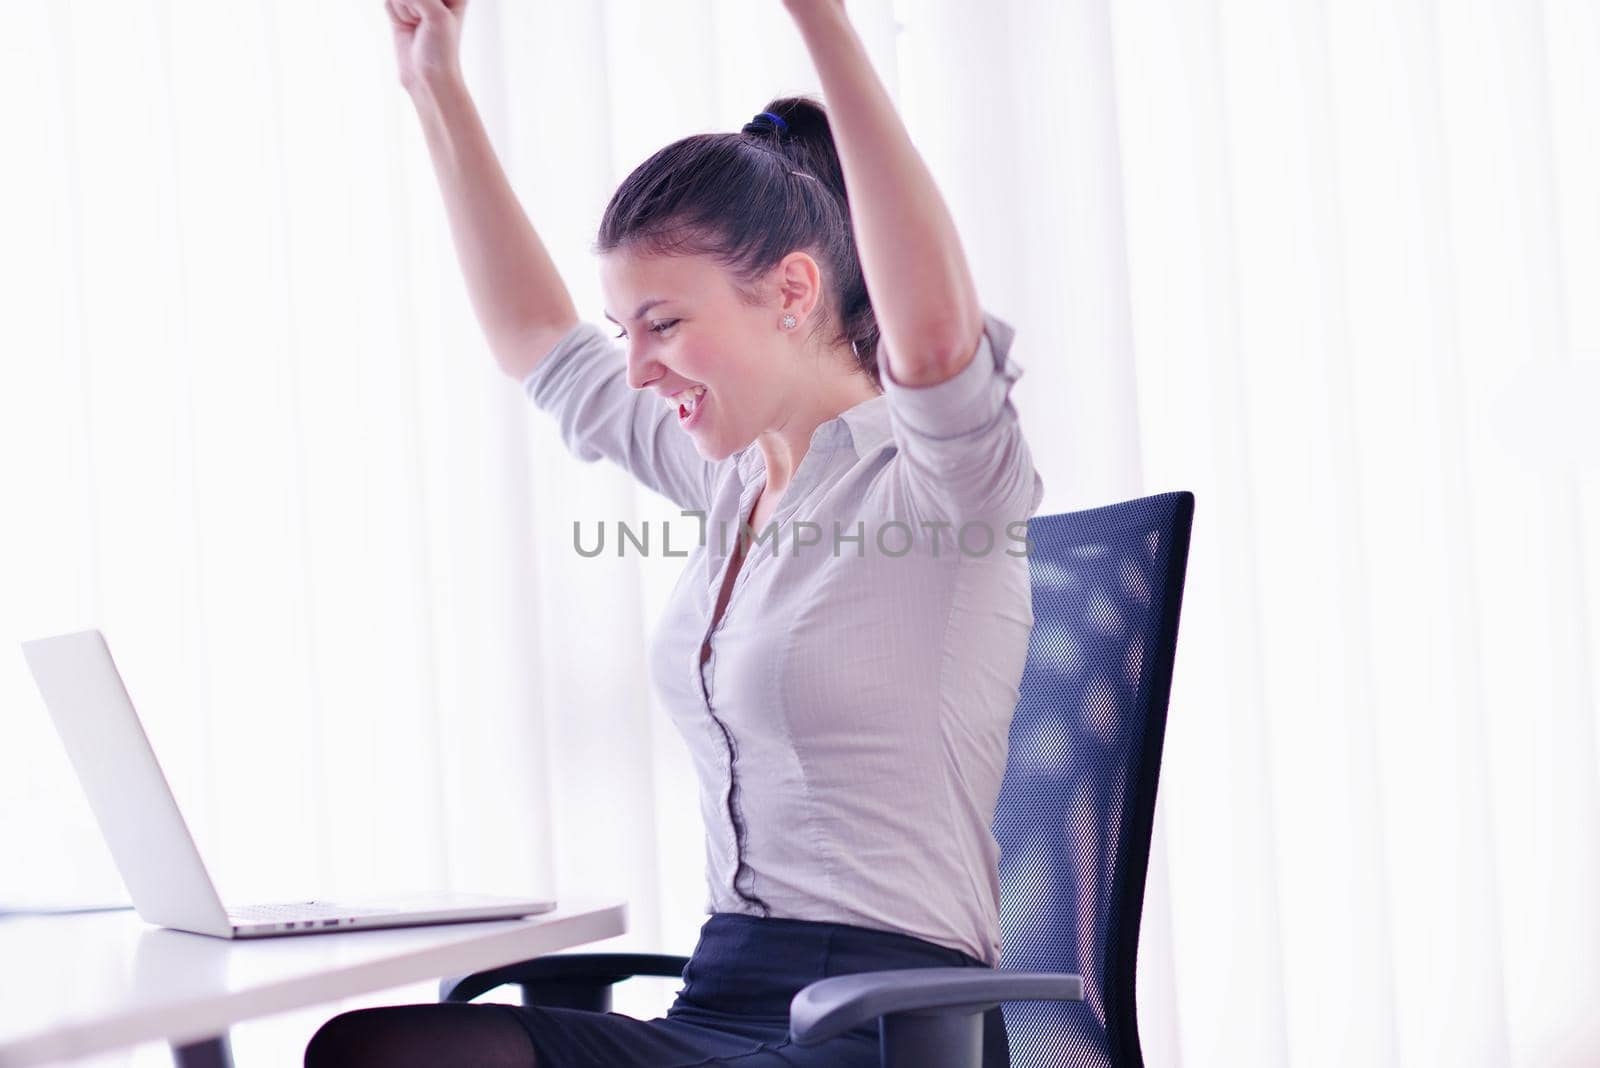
(657, 328)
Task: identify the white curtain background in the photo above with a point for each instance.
(1333, 267)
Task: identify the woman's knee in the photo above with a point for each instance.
(435, 1035)
(341, 1039)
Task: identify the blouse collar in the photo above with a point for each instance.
(865, 425)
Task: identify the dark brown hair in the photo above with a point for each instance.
(732, 198)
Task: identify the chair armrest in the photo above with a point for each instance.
(578, 969)
(830, 1007)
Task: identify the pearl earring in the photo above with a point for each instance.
(789, 322)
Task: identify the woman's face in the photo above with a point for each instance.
(702, 334)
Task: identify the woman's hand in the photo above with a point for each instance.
(427, 38)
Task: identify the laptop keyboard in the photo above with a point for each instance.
(301, 910)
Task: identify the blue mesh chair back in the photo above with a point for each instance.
(1075, 809)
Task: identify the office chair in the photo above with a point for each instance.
(1073, 822)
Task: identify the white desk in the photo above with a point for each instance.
(76, 985)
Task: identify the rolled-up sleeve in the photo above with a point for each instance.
(583, 384)
(961, 449)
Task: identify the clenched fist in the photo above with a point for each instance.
(427, 38)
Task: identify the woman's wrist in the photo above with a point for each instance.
(429, 82)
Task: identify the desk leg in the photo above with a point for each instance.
(206, 1053)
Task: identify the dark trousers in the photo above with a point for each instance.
(733, 1008)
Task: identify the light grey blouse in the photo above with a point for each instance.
(849, 730)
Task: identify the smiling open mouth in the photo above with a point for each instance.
(693, 400)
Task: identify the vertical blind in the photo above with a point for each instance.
(1331, 267)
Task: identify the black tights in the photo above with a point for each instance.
(439, 1035)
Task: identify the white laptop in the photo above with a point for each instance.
(150, 842)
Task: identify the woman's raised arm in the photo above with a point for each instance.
(520, 300)
(929, 319)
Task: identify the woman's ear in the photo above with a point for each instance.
(799, 284)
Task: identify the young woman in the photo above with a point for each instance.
(843, 649)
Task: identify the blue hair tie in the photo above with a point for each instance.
(777, 120)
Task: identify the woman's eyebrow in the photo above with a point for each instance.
(646, 306)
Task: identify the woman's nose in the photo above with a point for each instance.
(642, 369)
